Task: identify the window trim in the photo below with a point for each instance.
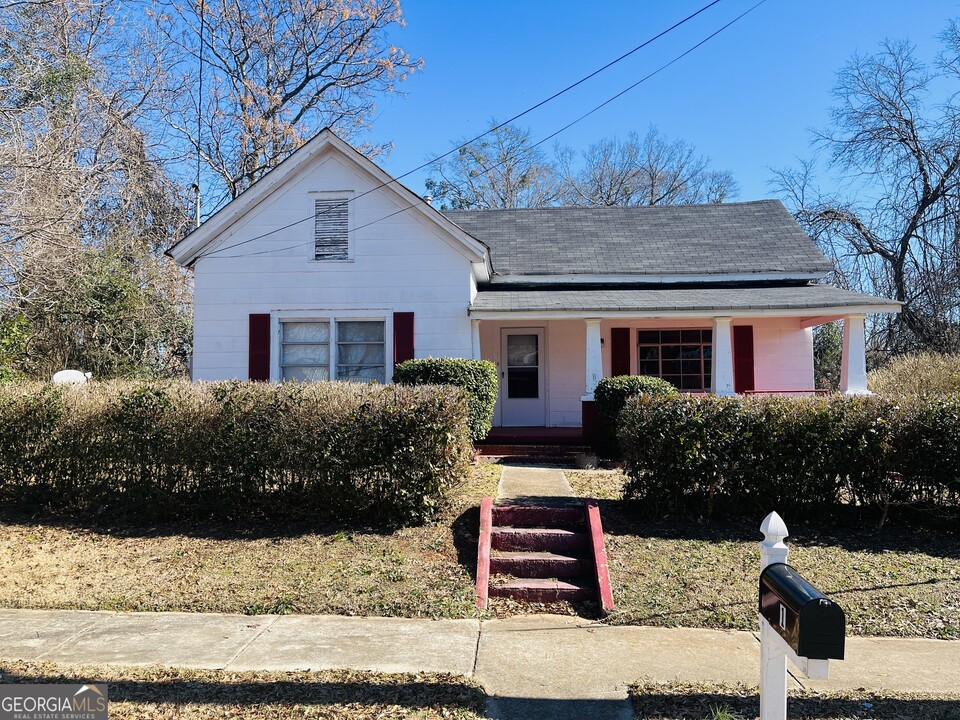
(332, 316)
(347, 197)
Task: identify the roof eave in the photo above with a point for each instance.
(584, 313)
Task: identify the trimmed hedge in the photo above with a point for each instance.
(338, 451)
(478, 378)
(716, 456)
(611, 395)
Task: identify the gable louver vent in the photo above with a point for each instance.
(330, 230)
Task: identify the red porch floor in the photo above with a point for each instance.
(534, 436)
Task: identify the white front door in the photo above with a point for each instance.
(522, 397)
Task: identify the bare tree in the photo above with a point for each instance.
(652, 170)
(504, 169)
(894, 147)
(84, 208)
(276, 72)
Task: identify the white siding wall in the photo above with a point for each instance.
(399, 264)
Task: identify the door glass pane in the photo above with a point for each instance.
(522, 351)
(523, 360)
(523, 382)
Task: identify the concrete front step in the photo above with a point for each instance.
(539, 565)
(570, 517)
(553, 540)
(545, 590)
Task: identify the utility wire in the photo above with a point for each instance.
(493, 129)
(200, 108)
(536, 144)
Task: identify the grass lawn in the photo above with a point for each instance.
(679, 701)
(167, 694)
(901, 582)
(664, 572)
(414, 572)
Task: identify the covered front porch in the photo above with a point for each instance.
(550, 359)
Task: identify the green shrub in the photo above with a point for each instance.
(716, 456)
(611, 395)
(336, 451)
(920, 374)
(478, 378)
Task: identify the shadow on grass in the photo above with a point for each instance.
(652, 703)
(253, 527)
(709, 607)
(852, 532)
(406, 691)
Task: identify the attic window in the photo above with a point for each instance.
(330, 230)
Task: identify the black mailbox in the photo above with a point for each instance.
(811, 623)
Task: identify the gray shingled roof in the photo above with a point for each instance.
(727, 298)
(734, 238)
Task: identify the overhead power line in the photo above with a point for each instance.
(493, 167)
(490, 130)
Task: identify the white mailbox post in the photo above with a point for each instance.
(802, 614)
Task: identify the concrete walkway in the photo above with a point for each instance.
(543, 666)
(530, 485)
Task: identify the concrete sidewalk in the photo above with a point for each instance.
(544, 666)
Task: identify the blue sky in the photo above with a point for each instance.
(747, 99)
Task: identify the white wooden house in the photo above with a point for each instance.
(328, 268)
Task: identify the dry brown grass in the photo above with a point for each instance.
(667, 572)
(918, 374)
(412, 572)
(674, 572)
(167, 694)
(686, 701)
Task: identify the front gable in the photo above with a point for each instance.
(276, 217)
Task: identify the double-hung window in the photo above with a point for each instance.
(333, 349)
(681, 357)
(361, 353)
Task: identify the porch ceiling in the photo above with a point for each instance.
(794, 301)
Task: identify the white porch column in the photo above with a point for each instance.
(722, 357)
(853, 363)
(475, 338)
(594, 358)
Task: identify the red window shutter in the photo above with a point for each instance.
(743, 358)
(619, 351)
(259, 357)
(402, 337)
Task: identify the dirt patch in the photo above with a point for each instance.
(163, 694)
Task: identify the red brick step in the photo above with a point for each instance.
(539, 565)
(544, 591)
(538, 539)
(564, 517)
